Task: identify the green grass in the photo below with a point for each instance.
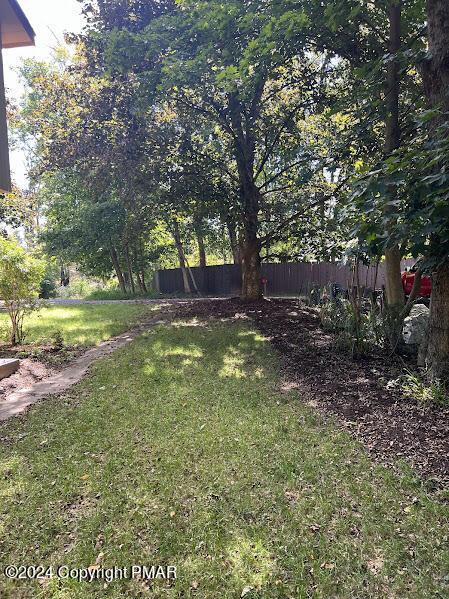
(82, 325)
(117, 294)
(181, 450)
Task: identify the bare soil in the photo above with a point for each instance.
(29, 372)
(392, 427)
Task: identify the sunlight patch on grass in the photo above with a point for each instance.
(251, 563)
(156, 458)
(80, 325)
(233, 364)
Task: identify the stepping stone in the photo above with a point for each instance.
(8, 367)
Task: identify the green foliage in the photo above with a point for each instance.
(418, 174)
(20, 278)
(415, 386)
(78, 289)
(58, 340)
(358, 330)
(48, 289)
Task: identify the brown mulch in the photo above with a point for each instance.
(393, 428)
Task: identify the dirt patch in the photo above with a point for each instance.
(30, 371)
(392, 427)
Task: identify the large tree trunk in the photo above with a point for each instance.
(393, 281)
(436, 85)
(250, 250)
(251, 273)
(118, 269)
(245, 151)
(438, 344)
(144, 283)
(139, 282)
(181, 256)
(235, 247)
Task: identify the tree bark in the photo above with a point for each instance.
(201, 249)
(139, 282)
(250, 251)
(130, 269)
(251, 271)
(181, 256)
(245, 150)
(144, 284)
(393, 282)
(438, 335)
(436, 84)
(235, 248)
(118, 270)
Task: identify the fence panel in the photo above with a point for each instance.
(294, 278)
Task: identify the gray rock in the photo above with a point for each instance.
(8, 367)
(416, 325)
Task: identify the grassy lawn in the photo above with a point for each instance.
(80, 325)
(180, 450)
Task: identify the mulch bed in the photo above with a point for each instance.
(392, 427)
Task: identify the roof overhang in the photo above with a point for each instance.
(16, 30)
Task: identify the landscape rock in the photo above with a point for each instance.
(416, 325)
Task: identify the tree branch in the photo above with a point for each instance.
(293, 217)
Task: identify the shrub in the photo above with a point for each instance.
(20, 278)
(359, 326)
(58, 340)
(47, 289)
(48, 283)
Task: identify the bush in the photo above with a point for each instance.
(48, 283)
(78, 289)
(20, 278)
(47, 289)
(359, 326)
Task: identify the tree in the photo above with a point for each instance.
(20, 279)
(379, 40)
(244, 68)
(436, 86)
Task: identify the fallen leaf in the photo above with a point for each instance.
(375, 565)
(246, 590)
(93, 568)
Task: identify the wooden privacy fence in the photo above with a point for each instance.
(296, 278)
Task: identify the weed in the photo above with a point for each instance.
(414, 385)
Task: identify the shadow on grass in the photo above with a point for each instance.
(179, 450)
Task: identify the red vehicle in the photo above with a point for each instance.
(408, 278)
